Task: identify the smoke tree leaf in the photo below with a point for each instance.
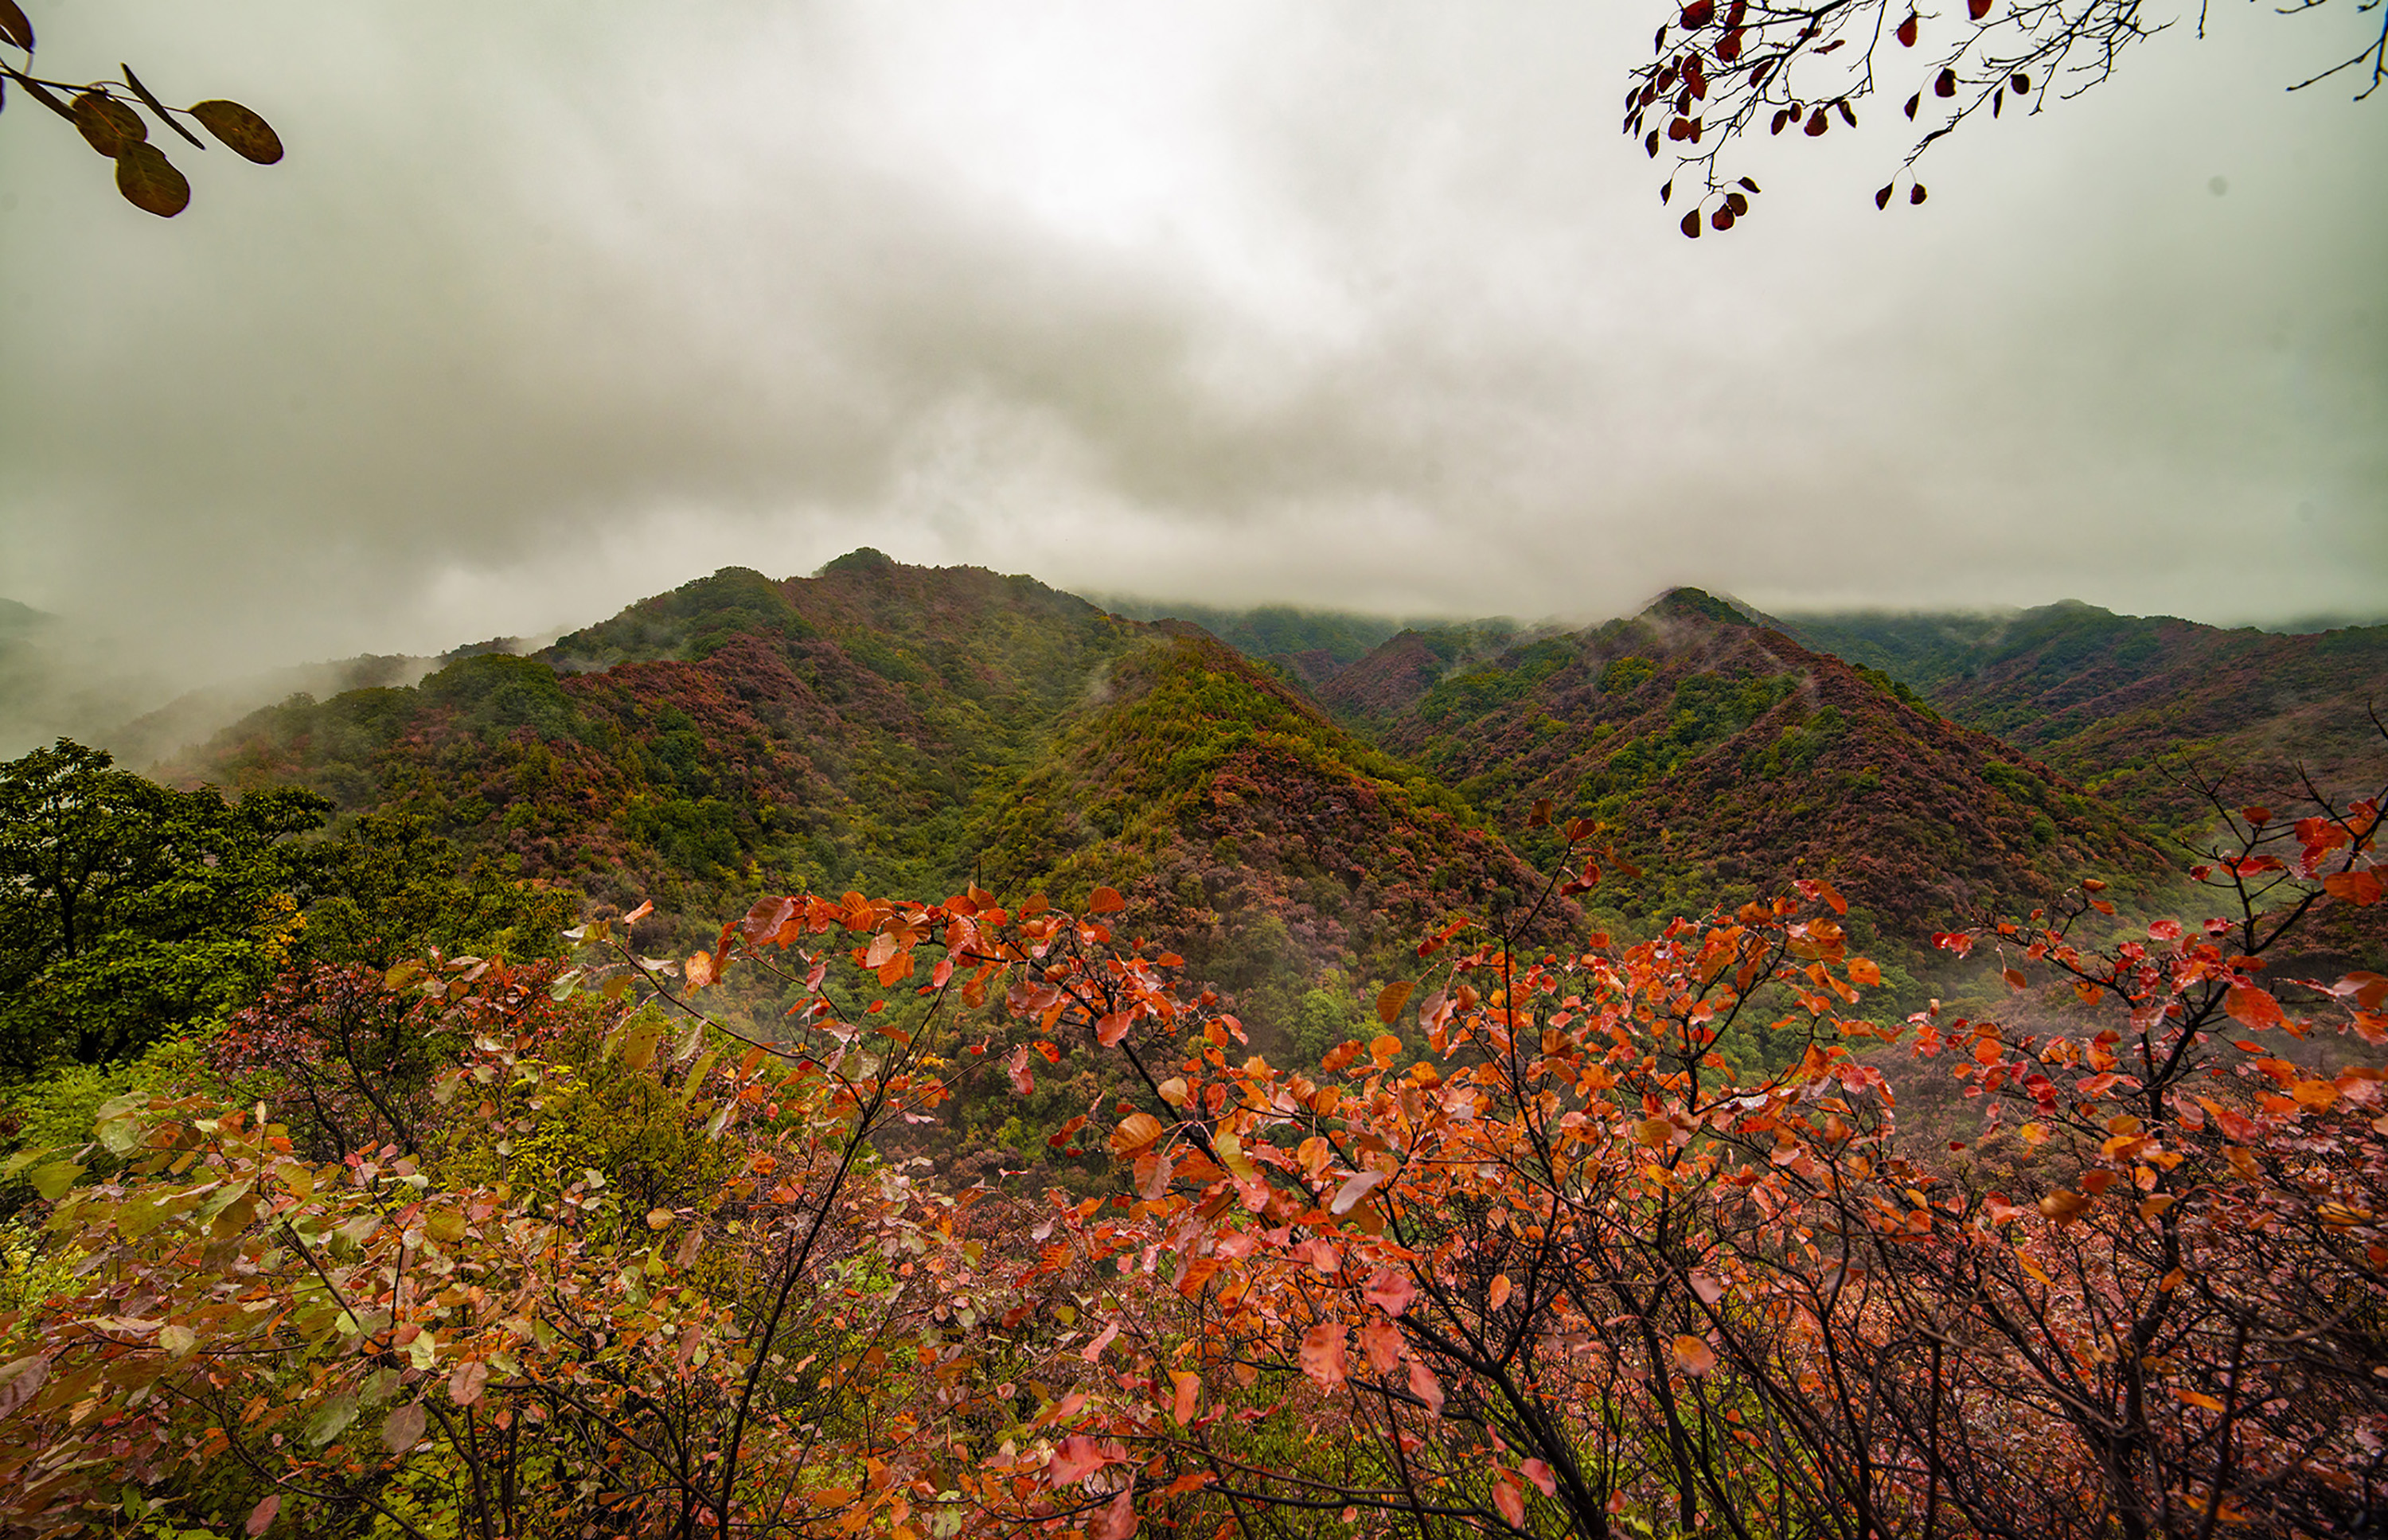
(149, 180)
(246, 134)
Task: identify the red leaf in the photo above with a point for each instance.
(1906, 33)
(1882, 199)
(1510, 1501)
(1692, 225)
(1946, 84)
(1392, 1291)
(1817, 123)
(1022, 1080)
(2252, 1007)
(1381, 1341)
(260, 1518)
(1915, 194)
(1426, 1387)
(1079, 1457)
(1698, 14)
(1188, 1387)
(1977, 8)
(1321, 1354)
(2357, 887)
(1118, 1519)
(1539, 1473)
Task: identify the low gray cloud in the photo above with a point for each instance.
(555, 306)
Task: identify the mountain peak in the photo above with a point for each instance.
(1688, 603)
(860, 560)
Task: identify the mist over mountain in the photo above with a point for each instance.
(1287, 795)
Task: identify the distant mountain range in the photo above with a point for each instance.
(1287, 795)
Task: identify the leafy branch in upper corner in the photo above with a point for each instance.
(1721, 69)
(106, 113)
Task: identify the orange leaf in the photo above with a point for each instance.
(1510, 1501)
(1105, 901)
(1321, 1354)
(1079, 1457)
(2252, 1007)
(1392, 1291)
(2355, 888)
(1117, 1521)
(1188, 1386)
(1426, 1387)
(1391, 999)
(1498, 1294)
(1695, 1356)
(1134, 1132)
(2063, 1206)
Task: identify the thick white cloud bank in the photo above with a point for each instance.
(1362, 304)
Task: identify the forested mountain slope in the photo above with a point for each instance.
(1239, 820)
(2123, 704)
(909, 729)
(1729, 758)
(734, 734)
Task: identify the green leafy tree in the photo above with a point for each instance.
(130, 909)
(391, 886)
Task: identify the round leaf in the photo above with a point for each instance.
(402, 1430)
(149, 181)
(244, 133)
(106, 124)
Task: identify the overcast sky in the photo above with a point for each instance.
(559, 303)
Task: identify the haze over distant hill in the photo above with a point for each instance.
(1297, 805)
(1729, 757)
(2125, 703)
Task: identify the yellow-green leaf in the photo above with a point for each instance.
(52, 1182)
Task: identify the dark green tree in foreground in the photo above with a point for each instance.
(129, 909)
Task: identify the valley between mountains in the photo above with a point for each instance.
(1292, 817)
(1030, 1071)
